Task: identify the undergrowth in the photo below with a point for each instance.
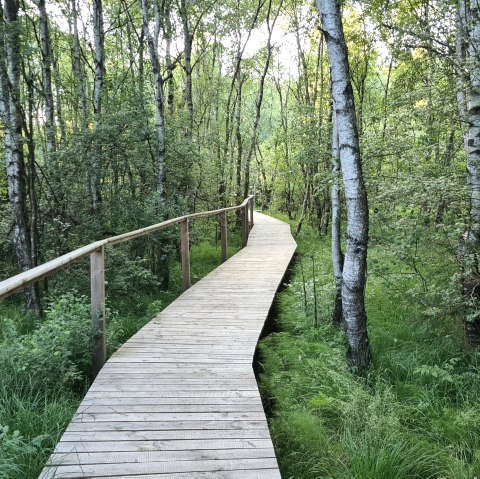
(45, 365)
(415, 415)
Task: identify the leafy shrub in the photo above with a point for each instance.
(12, 445)
(56, 354)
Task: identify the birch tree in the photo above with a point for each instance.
(46, 51)
(471, 247)
(11, 115)
(337, 254)
(152, 41)
(99, 84)
(354, 269)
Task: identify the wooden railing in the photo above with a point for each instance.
(96, 251)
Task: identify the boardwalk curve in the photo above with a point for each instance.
(180, 399)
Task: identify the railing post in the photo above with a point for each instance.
(185, 251)
(244, 225)
(223, 235)
(251, 211)
(97, 291)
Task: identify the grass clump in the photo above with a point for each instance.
(416, 413)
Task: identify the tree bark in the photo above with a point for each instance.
(152, 41)
(11, 114)
(337, 253)
(187, 54)
(77, 65)
(46, 50)
(471, 276)
(354, 269)
(99, 84)
(259, 101)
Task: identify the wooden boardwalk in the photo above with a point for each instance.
(180, 399)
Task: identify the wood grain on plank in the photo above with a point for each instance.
(179, 399)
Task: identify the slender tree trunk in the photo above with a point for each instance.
(59, 107)
(46, 50)
(187, 53)
(471, 276)
(77, 65)
(11, 113)
(259, 101)
(355, 265)
(99, 85)
(337, 253)
(460, 58)
(152, 41)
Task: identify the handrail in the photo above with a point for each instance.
(96, 252)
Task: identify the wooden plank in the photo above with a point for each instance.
(180, 399)
(172, 445)
(165, 435)
(171, 408)
(237, 474)
(163, 467)
(81, 458)
(96, 417)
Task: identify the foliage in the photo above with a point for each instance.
(57, 352)
(416, 413)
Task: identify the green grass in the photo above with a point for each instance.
(44, 367)
(417, 412)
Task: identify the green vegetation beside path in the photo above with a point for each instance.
(416, 414)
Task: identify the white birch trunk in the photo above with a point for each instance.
(337, 254)
(47, 78)
(187, 53)
(152, 41)
(471, 277)
(10, 111)
(354, 269)
(77, 65)
(99, 84)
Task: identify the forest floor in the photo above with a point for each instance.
(416, 414)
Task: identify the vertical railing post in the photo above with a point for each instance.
(244, 214)
(185, 251)
(223, 235)
(252, 200)
(97, 291)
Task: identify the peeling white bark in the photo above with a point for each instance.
(337, 254)
(47, 78)
(10, 112)
(354, 269)
(99, 84)
(152, 41)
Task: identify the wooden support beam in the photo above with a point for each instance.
(252, 200)
(224, 235)
(97, 291)
(185, 251)
(244, 215)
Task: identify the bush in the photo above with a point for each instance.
(55, 355)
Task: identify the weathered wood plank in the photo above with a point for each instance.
(163, 467)
(172, 445)
(180, 399)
